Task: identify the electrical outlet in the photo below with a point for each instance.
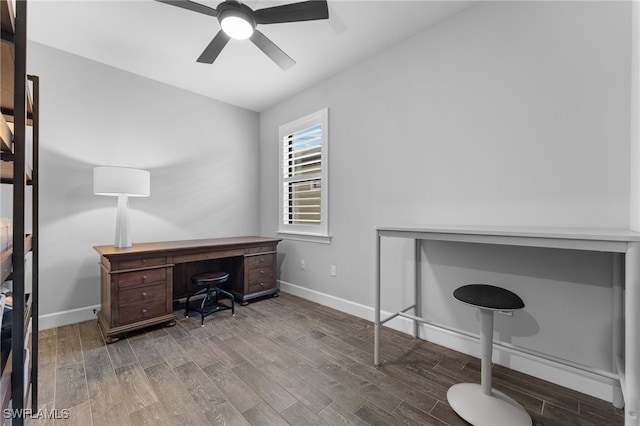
(334, 270)
(303, 264)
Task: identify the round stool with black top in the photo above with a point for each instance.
(478, 404)
(210, 302)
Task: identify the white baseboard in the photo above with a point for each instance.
(71, 316)
(578, 380)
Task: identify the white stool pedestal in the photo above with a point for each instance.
(497, 409)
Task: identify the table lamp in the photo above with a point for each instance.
(122, 182)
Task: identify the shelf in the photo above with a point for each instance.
(5, 384)
(6, 136)
(6, 173)
(7, 17)
(27, 317)
(5, 263)
(7, 61)
(6, 152)
(7, 361)
(6, 258)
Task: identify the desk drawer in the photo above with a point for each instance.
(141, 311)
(142, 263)
(149, 276)
(262, 249)
(260, 285)
(156, 293)
(260, 260)
(261, 279)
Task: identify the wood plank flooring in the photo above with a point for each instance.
(279, 361)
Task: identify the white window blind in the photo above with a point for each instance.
(302, 159)
(303, 179)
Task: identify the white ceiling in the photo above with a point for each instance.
(162, 42)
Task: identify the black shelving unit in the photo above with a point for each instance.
(19, 107)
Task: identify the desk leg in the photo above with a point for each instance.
(617, 280)
(376, 326)
(632, 334)
(418, 288)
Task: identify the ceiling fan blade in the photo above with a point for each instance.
(191, 5)
(271, 50)
(294, 12)
(214, 48)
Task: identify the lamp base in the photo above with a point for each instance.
(123, 238)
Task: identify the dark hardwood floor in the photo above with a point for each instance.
(279, 361)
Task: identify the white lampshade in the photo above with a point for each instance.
(121, 180)
(123, 183)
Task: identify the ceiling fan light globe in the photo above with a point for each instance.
(236, 27)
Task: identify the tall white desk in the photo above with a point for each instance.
(625, 246)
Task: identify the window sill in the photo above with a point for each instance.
(309, 238)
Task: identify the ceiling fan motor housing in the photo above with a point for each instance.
(229, 8)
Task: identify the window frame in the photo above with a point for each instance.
(306, 232)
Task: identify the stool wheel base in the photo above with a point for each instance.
(468, 401)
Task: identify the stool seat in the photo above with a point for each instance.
(210, 302)
(488, 297)
(207, 278)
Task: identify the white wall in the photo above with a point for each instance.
(634, 196)
(202, 155)
(509, 113)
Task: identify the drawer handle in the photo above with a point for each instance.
(261, 284)
(144, 294)
(144, 311)
(144, 260)
(261, 271)
(262, 259)
(144, 278)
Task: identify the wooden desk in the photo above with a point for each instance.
(139, 284)
(622, 243)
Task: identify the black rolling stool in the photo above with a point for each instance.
(478, 403)
(210, 305)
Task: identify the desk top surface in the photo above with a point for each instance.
(164, 246)
(594, 234)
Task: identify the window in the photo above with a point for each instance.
(303, 177)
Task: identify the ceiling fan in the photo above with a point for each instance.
(239, 21)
